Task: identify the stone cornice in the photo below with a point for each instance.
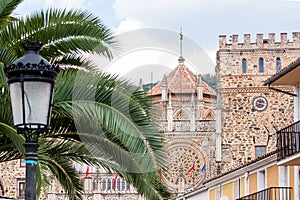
(251, 89)
(188, 134)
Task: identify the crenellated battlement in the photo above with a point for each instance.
(233, 41)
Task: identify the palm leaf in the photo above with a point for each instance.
(6, 9)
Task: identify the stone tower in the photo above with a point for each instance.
(251, 112)
(186, 107)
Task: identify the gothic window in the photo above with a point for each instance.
(123, 185)
(209, 115)
(95, 184)
(118, 184)
(109, 184)
(261, 65)
(103, 185)
(181, 114)
(127, 186)
(260, 151)
(244, 66)
(278, 64)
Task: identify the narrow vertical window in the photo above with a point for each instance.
(109, 184)
(21, 192)
(118, 184)
(278, 64)
(260, 151)
(123, 185)
(261, 65)
(104, 185)
(244, 66)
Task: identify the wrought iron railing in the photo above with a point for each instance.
(272, 193)
(288, 141)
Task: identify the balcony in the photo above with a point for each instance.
(272, 193)
(288, 145)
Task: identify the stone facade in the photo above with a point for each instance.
(187, 116)
(242, 68)
(12, 176)
(98, 185)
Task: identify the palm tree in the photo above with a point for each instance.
(97, 119)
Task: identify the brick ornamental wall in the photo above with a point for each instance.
(243, 128)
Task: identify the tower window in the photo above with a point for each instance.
(21, 188)
(244, 66)
(260, 151)
(278, 64)
(261, 65)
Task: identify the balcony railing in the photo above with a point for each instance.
(272, 193)
(288, 141)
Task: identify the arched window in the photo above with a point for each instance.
(118, 184)
(123, 185)
(244, 66)
(109, 184)
(278, 64)
(261, 65)
(127, 186)
(181, 114)
(103, 185)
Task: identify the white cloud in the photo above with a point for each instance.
(29, 6)
(65, 3)
(128, 25)
(155, 9)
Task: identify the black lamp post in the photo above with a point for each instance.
(31, 81)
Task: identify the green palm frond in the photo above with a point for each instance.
(97, 119)
(6, 9)
(114, 122)
(64, 32)
(63, 172)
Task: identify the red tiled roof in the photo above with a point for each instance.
(182, 80)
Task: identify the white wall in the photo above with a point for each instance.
(297, 103)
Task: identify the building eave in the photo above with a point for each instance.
(287, 76)
(240, 171)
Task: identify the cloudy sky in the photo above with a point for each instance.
(202, 21)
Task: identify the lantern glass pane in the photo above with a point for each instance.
(16, 102)
(36, 100)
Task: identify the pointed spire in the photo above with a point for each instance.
(164, 86)
(181, 59)
(199, 80)
(141, 85)
(192, 100)
(218, 101)
(170, 101)
(164, 81)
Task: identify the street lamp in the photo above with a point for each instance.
(31, 81)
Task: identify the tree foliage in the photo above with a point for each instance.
(97, 119)
(211, 80)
